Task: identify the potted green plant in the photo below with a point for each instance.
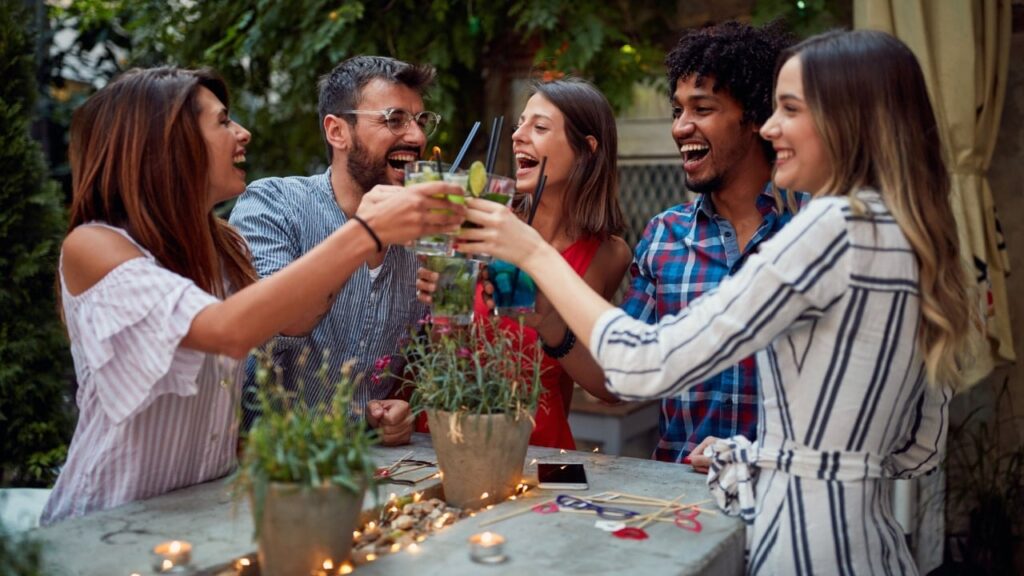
(306, 467)
(479, 386)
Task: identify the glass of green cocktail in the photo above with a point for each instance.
(492, 187)
(452, 301)
(425, 171)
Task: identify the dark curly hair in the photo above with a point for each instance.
(739, 57)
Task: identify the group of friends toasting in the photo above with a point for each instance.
(801, 320)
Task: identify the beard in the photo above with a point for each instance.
(365, 170)
(709, 186)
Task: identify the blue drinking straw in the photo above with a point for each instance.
(465, 148)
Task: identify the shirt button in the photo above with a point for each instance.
(727, 234)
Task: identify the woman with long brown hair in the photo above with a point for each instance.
(858, 311)
(155, 288)
(571, 123)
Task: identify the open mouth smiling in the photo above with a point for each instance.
(398, 160)
(525, 161)
(694, 152)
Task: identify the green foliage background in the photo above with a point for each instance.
(272, 51)
(34, 359)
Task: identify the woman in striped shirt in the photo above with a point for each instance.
(156, 289)
(857, 311)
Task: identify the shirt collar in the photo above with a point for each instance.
(765, 202)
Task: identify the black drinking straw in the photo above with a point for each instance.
(497, 144)
(492, 148)
(492, 142)
(542, 179)
(437, 158)
(465, 147)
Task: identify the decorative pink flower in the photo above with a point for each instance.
(382, 362)
(464, 353)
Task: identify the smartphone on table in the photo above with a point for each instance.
(561, 477)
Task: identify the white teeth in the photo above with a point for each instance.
(693, 147)
(783, 154)
(402, 157)
(524, 156)
(238, 158)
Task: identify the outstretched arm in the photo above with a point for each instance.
(259, 311)
(798, 274)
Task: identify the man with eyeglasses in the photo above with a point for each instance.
(373, 123)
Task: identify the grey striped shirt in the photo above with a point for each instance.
(832, 308)
(282, 219)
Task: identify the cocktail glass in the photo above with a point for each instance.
(452, 301)
(500, 189)
(515, 294)
(424, 171)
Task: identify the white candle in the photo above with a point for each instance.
(487, 548)
(173, 556)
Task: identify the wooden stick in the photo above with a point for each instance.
(662, 511)
(676, 507)
(638, 497)
(519, 512)
(397, 463)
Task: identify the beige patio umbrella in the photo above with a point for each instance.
(964, 48)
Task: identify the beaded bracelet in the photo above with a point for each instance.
(560, 351)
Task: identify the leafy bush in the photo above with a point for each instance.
(480, 369)
(34, 361)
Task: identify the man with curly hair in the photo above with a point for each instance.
(720, 80)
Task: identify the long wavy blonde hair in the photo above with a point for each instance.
(868, 97)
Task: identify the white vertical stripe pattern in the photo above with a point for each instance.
(282, 219)
(831, 306)
(153, 416)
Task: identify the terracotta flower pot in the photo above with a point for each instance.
(304, 526)
(479, 455)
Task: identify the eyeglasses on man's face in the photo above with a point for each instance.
(397, 120)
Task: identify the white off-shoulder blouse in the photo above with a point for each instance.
(153, 416)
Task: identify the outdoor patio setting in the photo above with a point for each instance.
(219, 528)
(688, 287)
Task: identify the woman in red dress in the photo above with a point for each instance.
(571, 123)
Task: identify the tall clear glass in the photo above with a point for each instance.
(425, 171)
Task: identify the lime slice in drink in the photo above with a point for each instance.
(477, 178)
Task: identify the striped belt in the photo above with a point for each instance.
(736, 461)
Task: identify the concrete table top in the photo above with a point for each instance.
(219, 527)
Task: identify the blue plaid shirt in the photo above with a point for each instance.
(686, 251)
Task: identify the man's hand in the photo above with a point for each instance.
(697, 459)
(392, 419)
(399, 215)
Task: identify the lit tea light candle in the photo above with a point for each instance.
(487, 548)
(246, 567)
(326, 568)
(173, 556)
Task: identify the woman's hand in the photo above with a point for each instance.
(700, 461)
(399, 215)
(502, 234)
